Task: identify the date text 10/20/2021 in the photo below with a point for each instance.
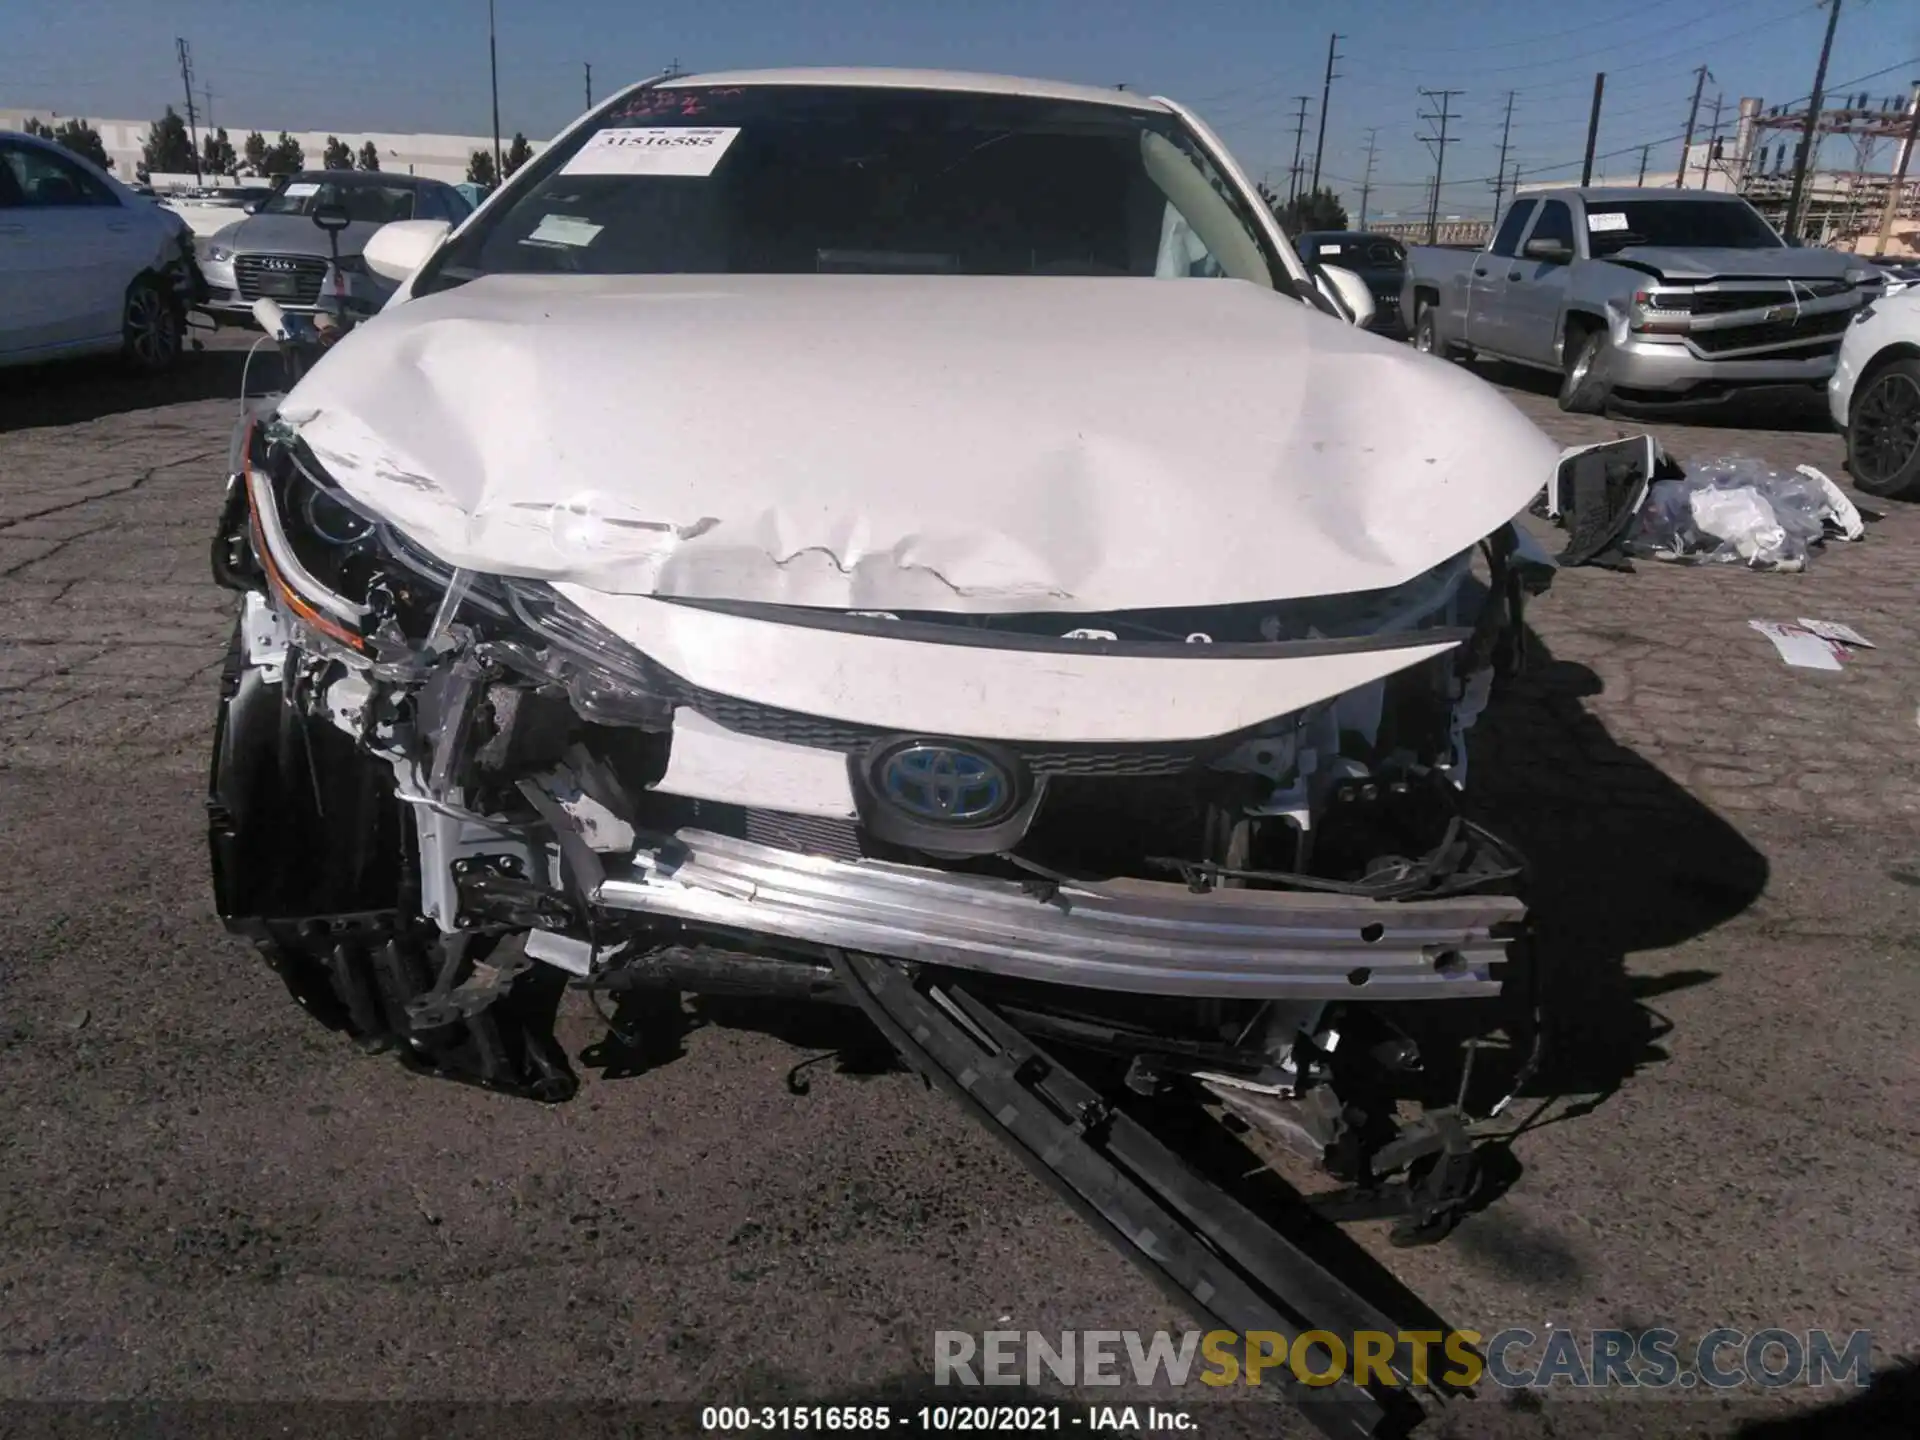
(938, 1419)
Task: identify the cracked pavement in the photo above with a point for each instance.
(207, 1197)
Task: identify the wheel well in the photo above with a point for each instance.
(1423, 296)
(1574, 330)
(1899, 350)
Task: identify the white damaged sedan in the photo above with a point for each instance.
(796, 538)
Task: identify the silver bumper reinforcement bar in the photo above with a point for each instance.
(1140, 936)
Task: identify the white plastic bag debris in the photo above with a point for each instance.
(1844, 515)
(1741, 509)
(1743, 520)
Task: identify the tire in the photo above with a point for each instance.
(152, 327)
(1883, 432)
(1426, 337)
(1585, 387)
(1425, 332)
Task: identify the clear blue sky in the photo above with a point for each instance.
(422, 64)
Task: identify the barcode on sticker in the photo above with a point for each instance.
(653, 150)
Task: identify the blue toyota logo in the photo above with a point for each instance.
(945, 784)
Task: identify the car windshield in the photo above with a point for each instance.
(781, 180)
(363, 199)
(1373, 252)
(1613, 225)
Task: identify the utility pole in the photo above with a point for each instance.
(589, 65)
(1593, 128)
(1366, 179)
(1900, 172)
(493, 69)
(206, 94)
(1700, 76)
(1299, 130)
(1643, 165)
(186, 79)
(1438, 143)
(1713, 139)
(1500, 167)
(1326, 93)
(1803, 155)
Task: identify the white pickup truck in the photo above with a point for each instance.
(1634, 293)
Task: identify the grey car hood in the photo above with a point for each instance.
(293, 235)
(944, 443)
(1785, 262)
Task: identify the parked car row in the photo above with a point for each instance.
(90, 265)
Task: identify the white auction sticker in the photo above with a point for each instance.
(1329, 249)
(653, 150)
(1606, 220)
(563, 230)
(302, 189)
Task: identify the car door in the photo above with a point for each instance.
(73, 249)
(1486, 280)
(17, 292)
(1537, 288)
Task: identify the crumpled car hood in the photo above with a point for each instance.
(1783, 262)
(930, 443)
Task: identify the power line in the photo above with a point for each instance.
(1804, 151)
(1299, 131)
(1581, 57)
(1661, 140)
(1593, 126)
(1437, 143)
(1500, 168)
(1700, 76)
(1326, 94)
(1713, 144)
(186, 80)
(1366, 183)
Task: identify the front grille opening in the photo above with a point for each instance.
(294, 279)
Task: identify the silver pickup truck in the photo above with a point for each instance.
(1654, 294)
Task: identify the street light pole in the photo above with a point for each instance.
(493, 65)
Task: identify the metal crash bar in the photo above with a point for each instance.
(1143, 937)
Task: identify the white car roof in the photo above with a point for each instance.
(877, 78)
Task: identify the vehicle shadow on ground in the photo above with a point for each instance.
(1796, 409)
(1622, 861)
(76, 391)
(648, 1028)
(1889, 1409)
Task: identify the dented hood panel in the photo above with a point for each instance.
(932, 443)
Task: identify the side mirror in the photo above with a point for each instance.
(400, 247)
(250, 208)
(1348, 291)
(1554, 252)
(332, 218)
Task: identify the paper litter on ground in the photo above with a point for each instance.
(1834, 630)
(1800, 648)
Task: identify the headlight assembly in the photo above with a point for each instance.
(335, 565)
(322, 573)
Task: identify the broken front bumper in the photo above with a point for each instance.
(1141, 936)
